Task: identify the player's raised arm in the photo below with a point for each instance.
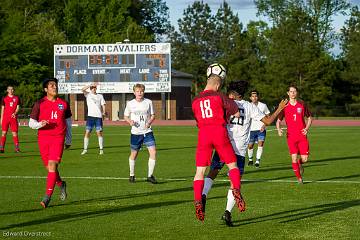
(267, 120)
(85, 88)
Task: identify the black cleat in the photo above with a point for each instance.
(67, 146)
(257, 164)
(227, 218)
(152, 180)
(203, 201)
(250, 163)
(132, 179)
(2, 150)
(45, 201)
(63, 193)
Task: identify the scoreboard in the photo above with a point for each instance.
(115, 68)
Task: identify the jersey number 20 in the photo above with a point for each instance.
(206, 111)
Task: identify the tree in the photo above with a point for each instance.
(193, 44)
(350, 42)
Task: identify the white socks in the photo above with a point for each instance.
(86, 143)
(259, 152)
(132, 167)
(151, 166)
(230, 201)
(208, 182)
(250, 153)
(101, 142)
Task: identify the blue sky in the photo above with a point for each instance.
(245, 9)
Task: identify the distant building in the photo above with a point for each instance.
(168, 106)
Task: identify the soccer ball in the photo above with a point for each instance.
(216, 69)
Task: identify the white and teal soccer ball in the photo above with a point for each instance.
(216, 69)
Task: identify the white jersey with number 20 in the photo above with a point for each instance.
(239, 128)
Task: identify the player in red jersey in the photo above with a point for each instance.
(50, 116)
(295, 113)
(211, 110)
(10, 106)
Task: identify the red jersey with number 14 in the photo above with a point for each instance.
(53, 111)
(213, 108)
(10, 104)
(294, 117)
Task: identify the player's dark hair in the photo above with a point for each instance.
(46, 81)
(239, 86)
(254, 91)
(292, 85)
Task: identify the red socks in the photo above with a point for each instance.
(3, 140)
(296, 169)
(198, 188)
(16, 141)
(50, 183)
(58, 179)
(234, 175)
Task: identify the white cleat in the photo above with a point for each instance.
(101, 152)
(83, 152)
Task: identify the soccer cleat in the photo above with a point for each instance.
(240, 202)
(67, 146)
(257, 164)
(101, 152)
(63, 193)
(250, 163)
(203, 201)
(227, 218)
(132, 179)
(199, 213)
(2, 150)
(45, 201)
(17, 150)
(84, 152)
(152, 179)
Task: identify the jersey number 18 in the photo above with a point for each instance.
(205, 108)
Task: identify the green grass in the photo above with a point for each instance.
(327, 206)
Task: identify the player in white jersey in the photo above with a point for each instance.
(238, 130)
(257, 130)
(96, 111)
(139, 113)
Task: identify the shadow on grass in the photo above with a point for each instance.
(111, 198)
(86, 214)
(301, 213)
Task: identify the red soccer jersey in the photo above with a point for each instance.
(55, 112)
(294, 117)
(212, 108)
(10, 104)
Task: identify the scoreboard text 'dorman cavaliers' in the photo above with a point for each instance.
(115, 67)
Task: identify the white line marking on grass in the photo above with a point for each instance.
(183, 179)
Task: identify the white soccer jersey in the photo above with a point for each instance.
(239, 128)
(94, 103)
(140, 113)
(255, 124)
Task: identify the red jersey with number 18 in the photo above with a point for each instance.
(53, 111)
(213, 108)
(294, 117)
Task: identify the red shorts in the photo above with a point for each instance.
(213, 137)
(12, 122)
(51, 148)
(298, 145)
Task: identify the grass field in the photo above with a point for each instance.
(102, 204)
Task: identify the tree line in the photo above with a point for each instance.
(293, 46)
